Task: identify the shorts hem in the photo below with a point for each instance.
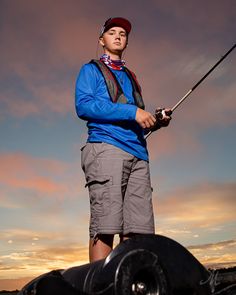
(105, 232)
(136, 230)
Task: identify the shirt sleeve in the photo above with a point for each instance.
(90, 106)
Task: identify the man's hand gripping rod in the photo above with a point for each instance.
(161, 114)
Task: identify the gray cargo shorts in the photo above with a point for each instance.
(119, 189)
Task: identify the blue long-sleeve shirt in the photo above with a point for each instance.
(113, 123)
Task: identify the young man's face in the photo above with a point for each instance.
(114, 41)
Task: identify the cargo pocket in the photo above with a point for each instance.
(99, 193)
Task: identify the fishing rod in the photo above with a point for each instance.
(160, 114)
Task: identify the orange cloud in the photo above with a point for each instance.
(204, 209)
(222, 254)
(25, 265)
(31, 253)
(14, 284)
(23, 175)
(26, 235)
(23, 171)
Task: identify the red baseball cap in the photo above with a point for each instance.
(116, 22)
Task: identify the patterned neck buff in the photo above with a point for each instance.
(113, 64)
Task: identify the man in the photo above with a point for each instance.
(115, 157)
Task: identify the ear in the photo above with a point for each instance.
(101, 41)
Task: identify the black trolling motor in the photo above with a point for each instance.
(160, 114)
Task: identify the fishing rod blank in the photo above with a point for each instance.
(195, 86)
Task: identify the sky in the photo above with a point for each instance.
(44, 206)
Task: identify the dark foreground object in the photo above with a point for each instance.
(143, 265)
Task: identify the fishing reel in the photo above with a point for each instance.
(163, 117)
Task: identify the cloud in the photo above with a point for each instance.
(42, 259)
(57, 98)
(214, 246)
(14, 284)
(25, 172)
(166, 141)
(212, 100)
(25, 235)
(53, 35)
(41, 176)
(35, 252)
(24, 266)
(39, 189)
(216, 255)
(42, 52)
(47, 259)
(202, 206)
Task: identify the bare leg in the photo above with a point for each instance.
(100, 247)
